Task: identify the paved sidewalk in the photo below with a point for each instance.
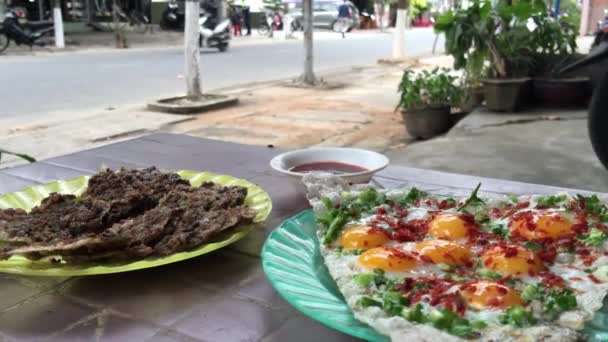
(546, 147)
(358, 112)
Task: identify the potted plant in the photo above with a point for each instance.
(555, 42)
(465, 42)
(426, 98)
(510, 51)
(497, 35)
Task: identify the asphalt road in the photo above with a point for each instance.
(72, 83)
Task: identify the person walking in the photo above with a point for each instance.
(344, 18)
(246, 16)
(235, 19)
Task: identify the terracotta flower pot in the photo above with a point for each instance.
(562, 92)
(426, 123)
(506, 95)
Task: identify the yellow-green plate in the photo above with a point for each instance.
(28, 198)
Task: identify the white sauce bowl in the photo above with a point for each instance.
(371, 161)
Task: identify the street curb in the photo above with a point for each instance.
(216, 101)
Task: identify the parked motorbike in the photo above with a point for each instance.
(597, 118)
(12, 29)
(213, 32)
(171, 18)
(273, 22)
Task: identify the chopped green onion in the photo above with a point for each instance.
(595, 237)
(489, 274)
(415, 314)
(533, 246)
(332, 233)
(412, 196)
(517, 317)
(499, 229)
(551, 201)
(530, 293)
(393, 302)
(364, 279)
(367, 301)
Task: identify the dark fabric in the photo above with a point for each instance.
(344, 11)
(247, 19)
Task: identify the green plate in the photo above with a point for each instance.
(295, 268)
(26, 199)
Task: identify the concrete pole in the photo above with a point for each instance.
(191, 49)
(58, 25)
(309, 75)
(2, 10)
(399, 34)
(584, 25)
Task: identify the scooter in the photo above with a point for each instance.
(212, 33)
(597, 118)
(12, 29)
(171, 18)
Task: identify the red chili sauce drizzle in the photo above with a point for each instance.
(436, 290)
(400, 231)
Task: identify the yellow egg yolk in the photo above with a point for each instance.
(508, 260)
(548, 225)
(449, 227)
(444, 252)
(362, 237)
(388, 259)
(488, 294)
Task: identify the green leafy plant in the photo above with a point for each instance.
(498, 34)
(418, 7)
(554, 41)
(428, 89)
(20, 155)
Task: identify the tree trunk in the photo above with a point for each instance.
(191, 50)
(58, 25)
(309, 75)
(380, 14)
(399, 35)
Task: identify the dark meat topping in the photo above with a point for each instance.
(124, 214)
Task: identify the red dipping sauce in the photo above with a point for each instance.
(328, 166)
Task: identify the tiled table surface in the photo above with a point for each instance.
(223, 296)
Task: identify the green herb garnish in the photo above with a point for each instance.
(593, 205)
(594, 238)
(335, 227)
(366, 302)
(473, 199)
(499, 229)
(532, 246)
(530, 293)
(415, 314)
(367, 279)
(513, 198)
(393, 302)
(517, 317)
(557, 301)
(489, 274)
(412, 196)
(551, 201)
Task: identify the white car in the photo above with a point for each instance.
(325, 15)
